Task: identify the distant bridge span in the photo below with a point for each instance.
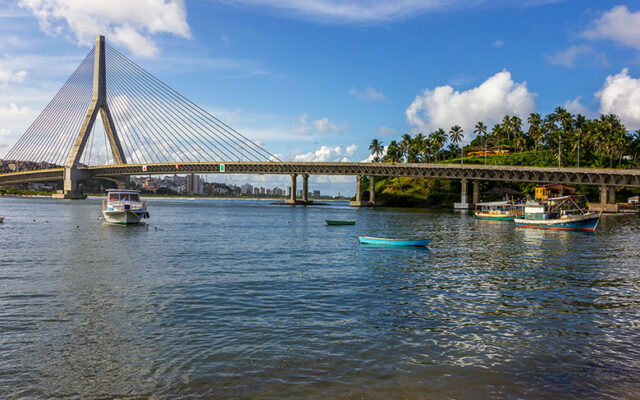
(571, 176)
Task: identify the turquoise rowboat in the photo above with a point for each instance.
(337, 222)
(393, 242)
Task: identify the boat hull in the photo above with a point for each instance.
(124, 217)
(495, 217)
(330, 222)
(393, 242)
(577, 223)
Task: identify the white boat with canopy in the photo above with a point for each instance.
(124, 207)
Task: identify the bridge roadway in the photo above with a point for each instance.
(572, 176)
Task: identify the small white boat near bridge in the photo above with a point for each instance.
(124, 207)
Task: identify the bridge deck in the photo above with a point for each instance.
(584, 176)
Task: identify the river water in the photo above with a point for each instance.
(242, 299)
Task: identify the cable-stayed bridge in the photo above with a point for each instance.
(112, 119)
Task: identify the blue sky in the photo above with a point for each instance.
(310, 74)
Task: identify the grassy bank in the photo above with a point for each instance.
(414, 192)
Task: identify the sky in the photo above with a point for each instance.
(319, 79)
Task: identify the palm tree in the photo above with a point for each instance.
(495, 132)
(534, 129)
(506, 126)
(456, 136)
(519, 142)
(481, 130)
(405, 144)
(376, 148)
(394, 154)
(438, 140)
(580, 124)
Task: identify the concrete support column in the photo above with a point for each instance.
(72, 176)
(611, 196)
(464, 197)
(372, 190)
(294, 188)
(358, 184)
(603, 195)
(305, 188)
(476, 191)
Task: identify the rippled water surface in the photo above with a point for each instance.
(241, 299)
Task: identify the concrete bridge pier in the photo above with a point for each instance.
(70, 191)
(464, 197)
(476, 191)
(358, 202)
(305, 189)
(607, 200)
(294, 189)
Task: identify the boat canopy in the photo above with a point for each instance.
(123, 191)
(494, 203)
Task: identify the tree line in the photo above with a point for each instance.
(558, 138)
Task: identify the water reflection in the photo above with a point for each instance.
(243, 299)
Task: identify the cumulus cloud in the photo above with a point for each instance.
(444, 107)
(576, 107)
(620, 95)
(322, 126)
(567, 57)
(368, 93)
(386, 131)
(328, 153)
(619, 25)
(127, 23)
(8, 76)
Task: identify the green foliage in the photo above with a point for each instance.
(558, 138)
(12, 191)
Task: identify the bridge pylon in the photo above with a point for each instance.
(72, 175)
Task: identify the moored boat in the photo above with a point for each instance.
(1, 220)
(339, 222)
(498, 211)
(124, 207)
(393, 241)
(561, 213)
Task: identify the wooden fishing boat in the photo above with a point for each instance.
(498, 211)
(339, 222)
(560, 213)
(124, 207)
(393, 242)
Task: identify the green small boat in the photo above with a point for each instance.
(337, 222)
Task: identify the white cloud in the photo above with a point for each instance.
(322, 126)
(13, 122)
(368, 93)
(326, 127)
(620, 95)
(576, 107)
(619, 25)
(366, 11)
(8, 76)
(498, 44)
(328, 153)
(444, 107)
(386, 131)
(124, 22)
(567, 58)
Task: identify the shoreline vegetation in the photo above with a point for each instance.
(559, 139)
